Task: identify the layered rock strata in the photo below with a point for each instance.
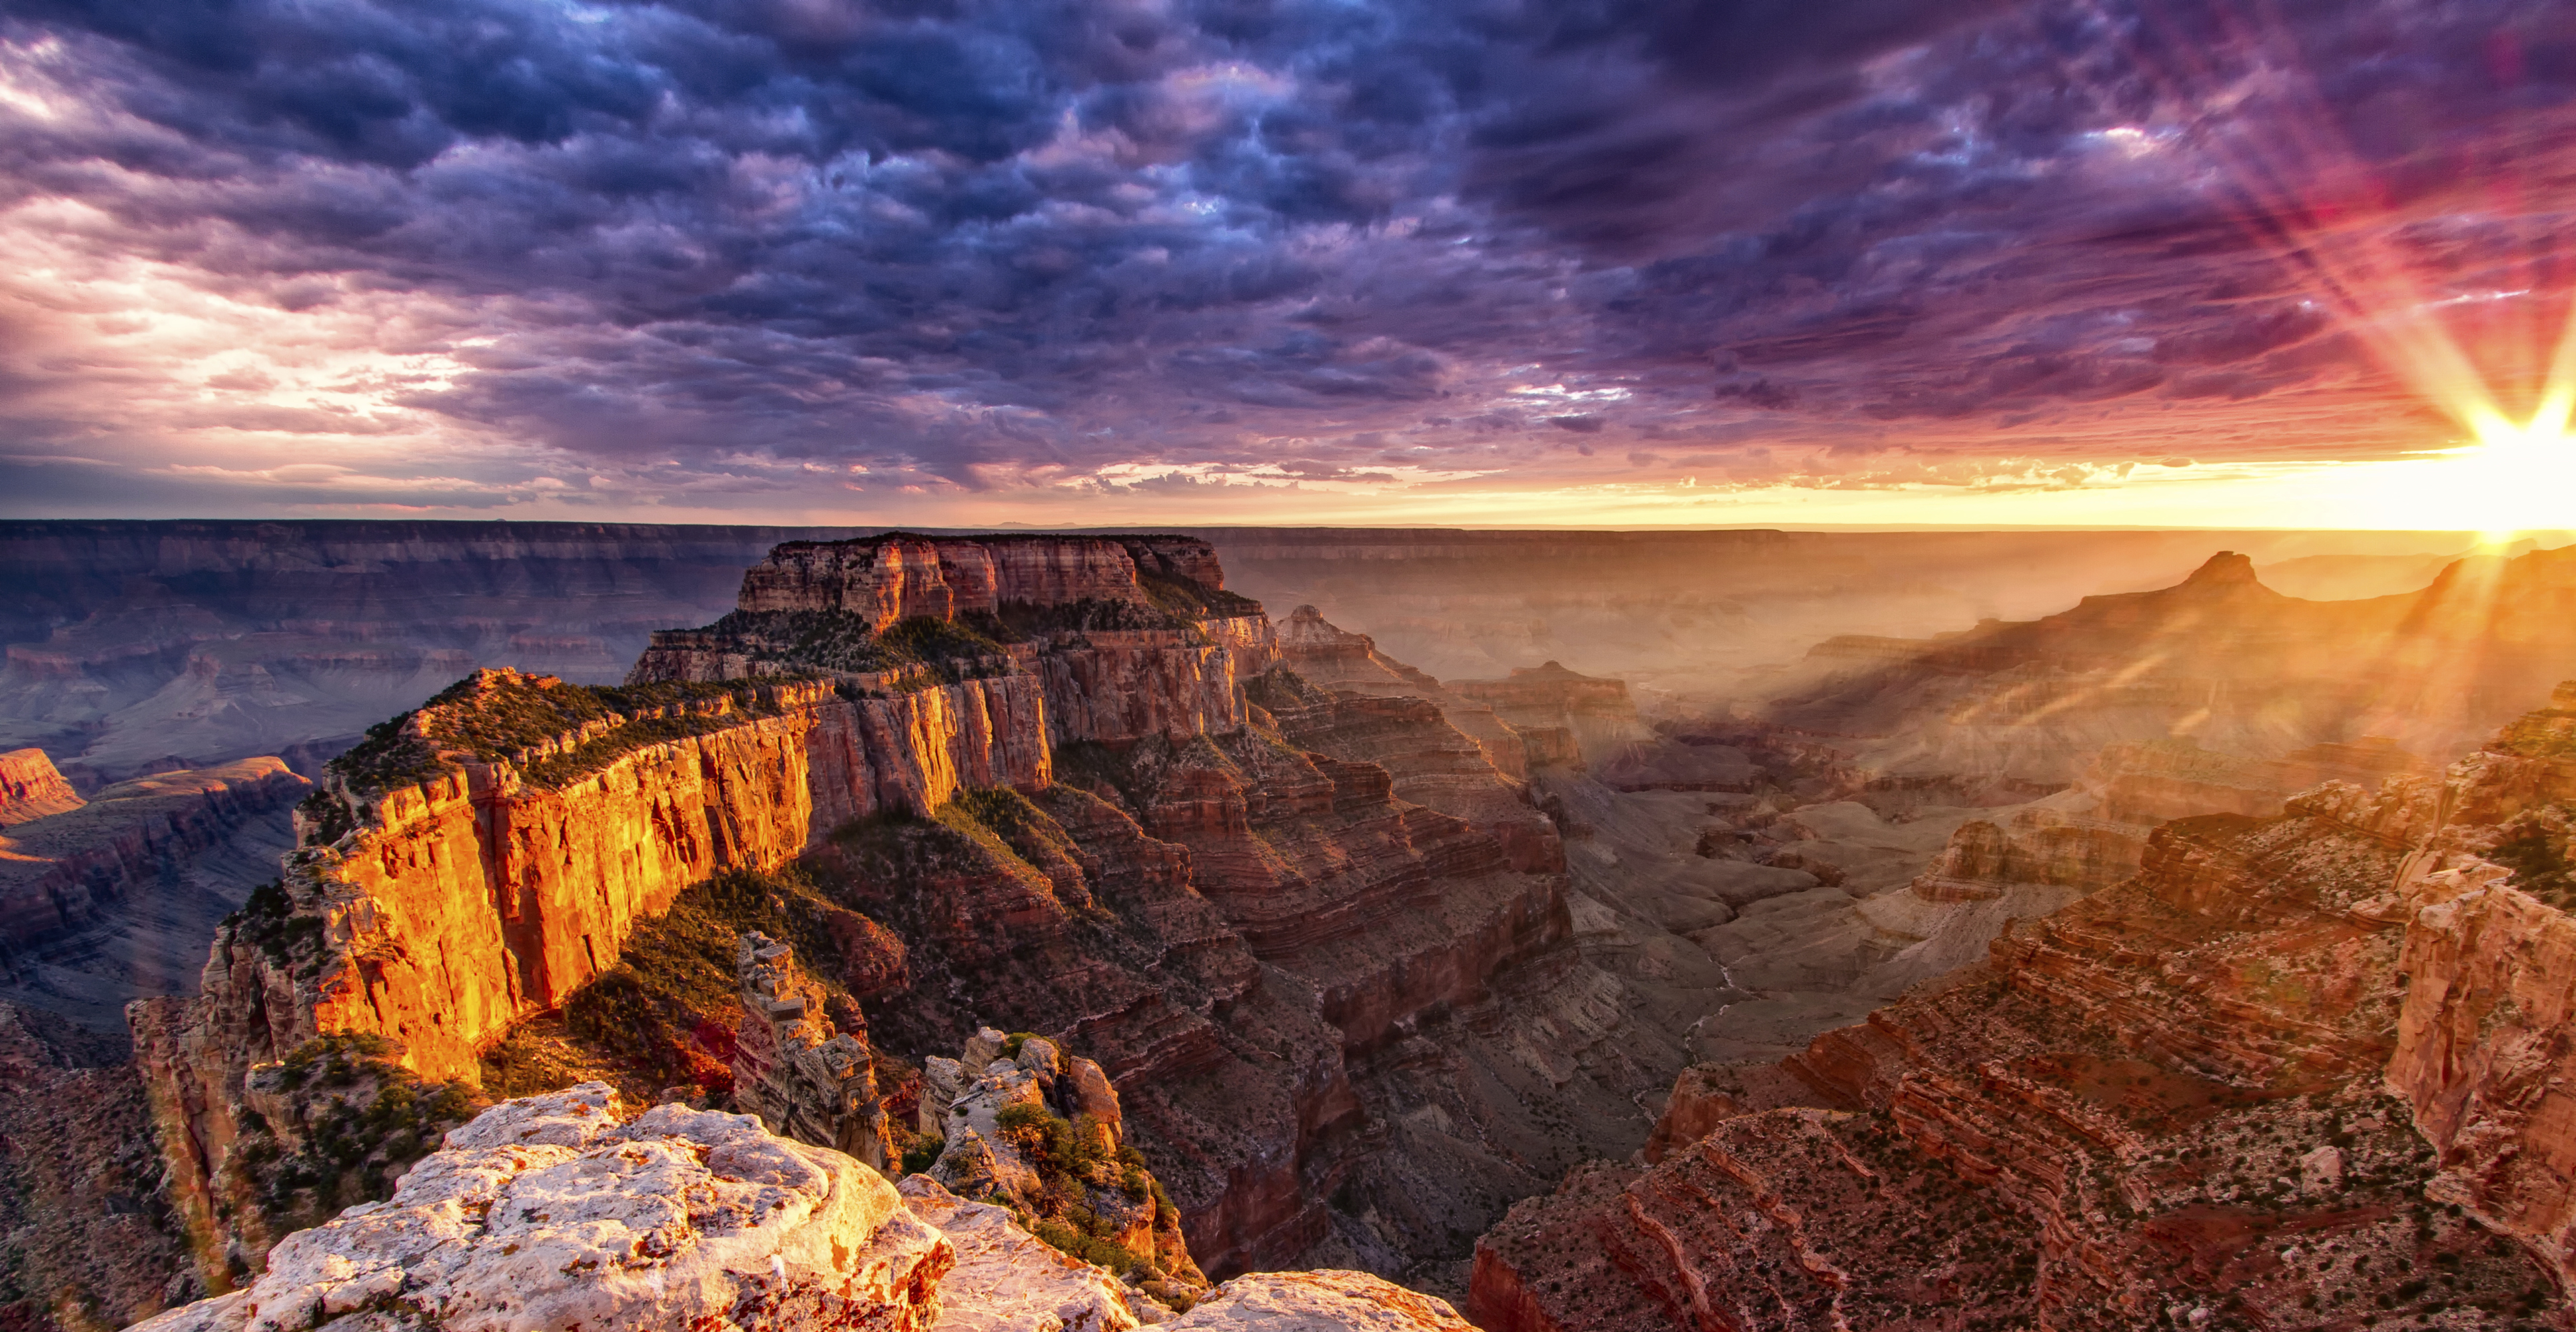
(1304, 987)
(2284, 1077)
(889, 578)
(1563, 716)
(792, 1069)
(62, 871)
(1130, 636)
(30, 788)
(1330, 657)
(437, 911)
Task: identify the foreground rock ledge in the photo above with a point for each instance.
(562, 1211)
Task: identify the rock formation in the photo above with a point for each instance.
(1083, 818)
(569, 1210)
(30, 788)
(2219, 658)
(1019, 1124)
(1319, 1302)
(2284, 1077)
(62, 871)
(560, 1211)
(791, 1068)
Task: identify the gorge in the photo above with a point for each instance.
(1376, 970)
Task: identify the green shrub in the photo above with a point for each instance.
(921, 1153)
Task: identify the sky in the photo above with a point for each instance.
(1606, 262)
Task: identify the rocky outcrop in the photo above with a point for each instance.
(1007, 1280)
(31, 789)
(1561, 715)
(1022, 1125)
(63, 871)
(1300, 1301)
(2174, 1097)
(561, 1211)
(792, 1069)
(569, 1210)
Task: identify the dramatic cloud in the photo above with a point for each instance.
(956, 260)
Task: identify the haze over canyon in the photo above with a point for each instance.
(1371, 928)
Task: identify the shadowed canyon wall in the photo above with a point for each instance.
(2302, 1071)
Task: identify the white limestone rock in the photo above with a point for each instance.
(1318, 1301)
(554, 1211)
(1007, 1280)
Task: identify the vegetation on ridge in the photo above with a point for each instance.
(493, 716)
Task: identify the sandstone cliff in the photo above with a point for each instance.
(2283, 1077)
(1071, 818)
(30, 788)
(481, 859)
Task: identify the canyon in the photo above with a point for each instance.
(2297, 1072)
(136, 647)
(1378, 969)
(114, 896)
(1344, 1026)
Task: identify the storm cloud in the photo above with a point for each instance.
(805, 253)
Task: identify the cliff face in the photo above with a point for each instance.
(1073, 817)
(30, 788)
(436, 913)
(2246, 1082)
(1563, 716)
(890, 578)
(63, 871)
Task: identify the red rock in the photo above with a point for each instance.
(31, 789)
(2274, 1050)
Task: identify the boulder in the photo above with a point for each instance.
(559, 1211)
(1317, 1302)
